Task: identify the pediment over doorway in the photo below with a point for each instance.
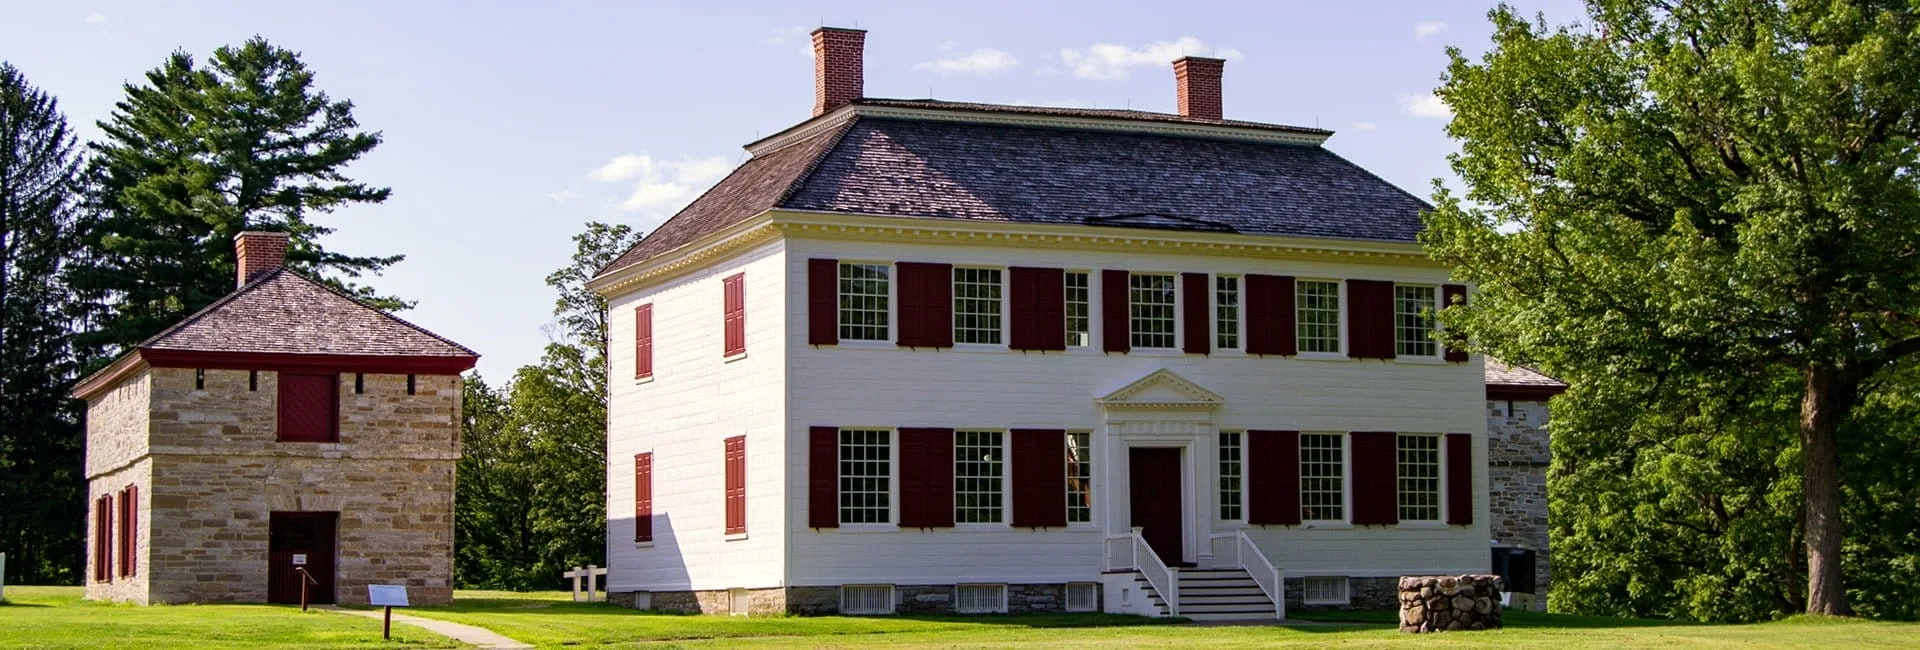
(1162, 389)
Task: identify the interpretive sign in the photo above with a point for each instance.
(387, 595)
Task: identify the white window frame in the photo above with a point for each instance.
(1344, 587)
(1240, 467)
(893, 479)
(1346, 477)
(961, 606)
(891, 602)
(1239, 311)
(953, 289)
(893, 304)
(1092, 590)
(1433, 323)
(1339, 314)
(1005, 506)
(1439, 479)
(1091, 317)
(1175, 331)
(1087, 460)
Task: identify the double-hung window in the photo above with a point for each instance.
(1079, 478)
(864, 297)
(1317, 315)
(979, 468)
(1226, 312)
(1413, 308)
(1418, 470)
(1322, 477)
(976, 305)
(1230, 475)
(1079, 310)
(866, 476)
(1151, 310)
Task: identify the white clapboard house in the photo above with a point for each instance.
(921, 356)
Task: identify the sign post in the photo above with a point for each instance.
(389, 597)
(3, 577)
(305, 579)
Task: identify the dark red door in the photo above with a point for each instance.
(297, 540)
(1153, 490)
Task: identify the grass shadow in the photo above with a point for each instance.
(1510, 618)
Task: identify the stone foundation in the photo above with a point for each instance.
(1377, 594)
(1449, 603)
(708, 601)
(820, 601)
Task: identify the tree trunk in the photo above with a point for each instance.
(1828, 397)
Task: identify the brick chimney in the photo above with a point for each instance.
(258, 252)
(1198, 86)
(839, 67)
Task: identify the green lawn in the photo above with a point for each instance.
(56, 617)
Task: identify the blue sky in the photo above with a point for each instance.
(508, 125)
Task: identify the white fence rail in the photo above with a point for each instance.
(1133, 552)
(592, 575)
(1264, 573)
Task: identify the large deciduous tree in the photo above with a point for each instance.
(1682, 197)
(198, 154)
(40, 485)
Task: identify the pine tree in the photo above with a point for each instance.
(195, 156)
(39, 424)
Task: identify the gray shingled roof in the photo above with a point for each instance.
(284, 312)
(1500, 373)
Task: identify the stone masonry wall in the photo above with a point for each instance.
(219, 473)
(1518, 454)
(118, 424)
(1362, 593)
(131, 589)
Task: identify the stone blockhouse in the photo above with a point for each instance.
(285, 428)
(1518, 454)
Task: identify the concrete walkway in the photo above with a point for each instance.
(468, 634)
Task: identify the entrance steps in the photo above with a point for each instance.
(1215, 595)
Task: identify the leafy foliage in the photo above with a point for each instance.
(1705, 216)
(195, 156)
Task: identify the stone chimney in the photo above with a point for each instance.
(839, 67)
(1198, 86)
(258, 252)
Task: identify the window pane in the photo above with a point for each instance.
(1413, 321)
(1079, 334)
(1150, 299)
(865, 476)
(1317, 309)
(1321, 478)
(863, 302)
(1226, 312)
(1419, 483)
(976, 305)
(977, 465)
(1079, 478)
(1230, 476)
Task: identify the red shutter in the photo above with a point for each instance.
(643, 497)
(643, 341)
(734, 314)
(823, 477)
(1195, 303)
(1116, 334)
(1370, 319)
(309, 408)
(736, 485)
(1270, 315)
(926, 305)
(133, 530)
(823, 302)
(1454, 294)
(1039, 478)
(1272, 469)
(123, 536)
(926, 478)
(1038, 298)
(103, 539)
(1459, 479)
(1376, 497)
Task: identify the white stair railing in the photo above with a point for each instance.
(1264, 573)
(1164, 579)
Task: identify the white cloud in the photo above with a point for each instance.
(1428, 106)
(1365, 126)
(659, 186)
(981, 61)
(96, 18)
(1423, 31)
(797, 35)
(1108, 61)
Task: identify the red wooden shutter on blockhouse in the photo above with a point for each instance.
(823, 302)
(133, 530)
(734, 314)
(1270, 315)
(643, 341)
(823, 477)
(124, 533)
(926, 477)
(1456, 346)
(926, 305)
(1459, 479)
(736, 485)
(643, 497)
(1273, 477)
(102, 539)
(309, 408)
(1370, 319)
(1376, 496)
(1038, 300)
(1116, 331)
(1039, 478)
(1196, 301)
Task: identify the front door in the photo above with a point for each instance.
(1153, 490)
(301, 540)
